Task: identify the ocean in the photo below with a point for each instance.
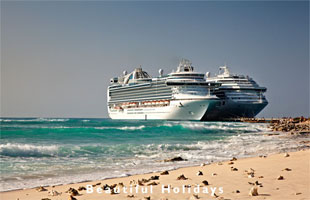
(46, 151)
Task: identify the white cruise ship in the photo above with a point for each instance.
(180, 95)
(240, 96)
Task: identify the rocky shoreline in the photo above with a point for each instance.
(293, 126)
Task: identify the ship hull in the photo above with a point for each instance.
(177, 110)
(232, 110)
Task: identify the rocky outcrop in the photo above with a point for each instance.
(294, 126)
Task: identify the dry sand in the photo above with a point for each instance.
(295, 183)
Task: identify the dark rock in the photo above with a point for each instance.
(164, 173)
(73, 192)
(105, 187)
(175, 159)
(113, 186)
(81, 188)
(152, 183)
(253, 191)
(257, 183)
(182, 177)
(199, 173)
(113, 192)
(205, 182)
(41, 189)
(154, 178)
(141, 183)
(233, 169)
(145, 180)
(72, 197)
(233, 159)
(194, 196)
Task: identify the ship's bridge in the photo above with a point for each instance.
(185, 66)
(186, 70)
(224, 71)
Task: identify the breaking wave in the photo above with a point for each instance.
(33, 149)
(27, 150)
(123, 128)
(220, 126)
(34, 120)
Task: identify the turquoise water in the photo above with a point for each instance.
(41, 151)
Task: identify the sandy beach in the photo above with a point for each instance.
(155, 100)
(278, 176)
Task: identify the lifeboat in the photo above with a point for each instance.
(118, 108)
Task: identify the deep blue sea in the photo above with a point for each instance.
(45, 151)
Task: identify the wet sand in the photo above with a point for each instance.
(277, 176)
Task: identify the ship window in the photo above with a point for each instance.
(131, 76)
(146, 75)
(182, 75)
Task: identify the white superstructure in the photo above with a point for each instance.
(180, 95)
(240, 96)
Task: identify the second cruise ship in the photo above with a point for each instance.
(180, 95)
(240, 96)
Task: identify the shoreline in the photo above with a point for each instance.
(155, 171)
(291, 129)
(168, 168)
(217, 174)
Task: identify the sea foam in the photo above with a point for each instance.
(26, 150)
(57, 151)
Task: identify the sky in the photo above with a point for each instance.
(57, 57)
